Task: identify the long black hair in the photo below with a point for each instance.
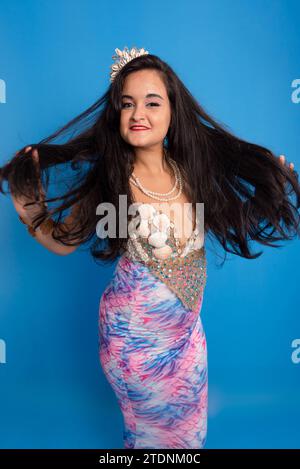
(247, 193)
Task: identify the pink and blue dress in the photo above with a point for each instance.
(152, 343)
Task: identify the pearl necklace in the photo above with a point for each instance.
(159, 193)
(155, 195)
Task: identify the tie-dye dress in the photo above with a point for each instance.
(152, 343)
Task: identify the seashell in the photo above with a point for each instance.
(133, 235)
(158, 239)
(133, 222)
(163, 252)
(143, 229)
(132, 230)
(199, 241)
(161, 221)
(146, 211)
(138, 227)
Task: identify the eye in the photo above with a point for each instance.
(155, 104)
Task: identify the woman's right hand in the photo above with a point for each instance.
(29, 213)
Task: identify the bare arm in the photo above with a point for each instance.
(31, 211)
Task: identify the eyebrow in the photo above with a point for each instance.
(149, 95)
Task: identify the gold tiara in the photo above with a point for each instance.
(123, 57)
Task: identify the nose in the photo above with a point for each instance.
(138, 112)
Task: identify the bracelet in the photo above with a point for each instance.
(46, 227)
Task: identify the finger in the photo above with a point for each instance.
(35, 157)
(25, 151)
(35, 154)
(282, 159)
(292, 166)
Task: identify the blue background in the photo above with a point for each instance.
(238, 58)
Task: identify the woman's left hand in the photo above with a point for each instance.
(282, 161)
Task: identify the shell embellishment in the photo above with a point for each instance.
(143, 229)
(122, 57)
(199, 241)
(158, 239)
(163, 252)
(146, 211)
(157, 233)
(161, 222)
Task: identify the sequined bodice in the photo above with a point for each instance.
(154, 243)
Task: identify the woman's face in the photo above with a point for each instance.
(140, 108)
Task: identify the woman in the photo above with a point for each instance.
(152, 343)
